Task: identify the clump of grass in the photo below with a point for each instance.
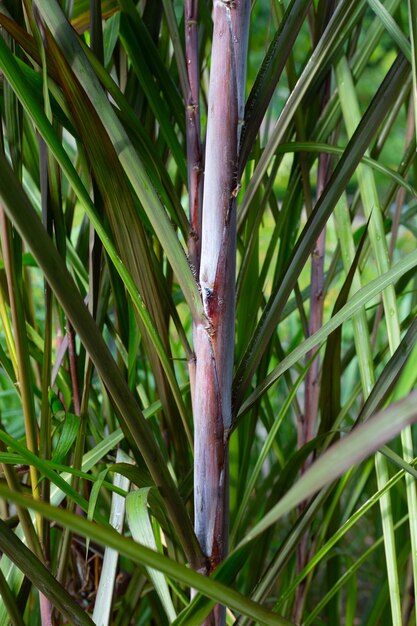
(178, 339)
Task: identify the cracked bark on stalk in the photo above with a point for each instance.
(214, 339)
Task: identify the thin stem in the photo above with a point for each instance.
(23, 514)
(22, 348)
(194, 150)
(194, 153)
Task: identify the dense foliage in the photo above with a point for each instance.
(104, 108)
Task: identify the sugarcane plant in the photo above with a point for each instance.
(208, 312)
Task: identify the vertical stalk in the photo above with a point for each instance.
(312, 384)
(14, 284)
(214, 339)
(45, 428)
(324, 13)
(95, 248)
(312, 387)
(194, 150)
(240, 28)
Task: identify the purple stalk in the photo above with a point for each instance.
(312, 384)
(45, 610)
(312, 389)
(306, 428)
(214, 339)
(194, 151)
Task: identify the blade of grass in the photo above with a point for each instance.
(176, 44)
(13, 574)
(60, 29)
(341, 532)
(159, 107)
(149, 51)
(357, 146)
(412, 17)
(32, 106)
(325, 45)
(19, 209)
(15, 616)
(391, 26)
(356, 302)
(41, 577)
(264, 452)
(269, 74)
(103, 603)
(107, 536)
(306, 146)
(141, 529)
(130, 237)
(371, 205)
(348, 574)
(350, 450)
(80, 16)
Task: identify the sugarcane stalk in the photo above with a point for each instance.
(194, 150)
(214, 338)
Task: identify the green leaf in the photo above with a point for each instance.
(45, 469)
(390, 374)
(324, 148)
(80, 16)
(142, 532)
(41, 577)
(66, 39)
(110, 36)
(140, 554)
(103, 604)
(9, 601)
(355, 303)
(151, 90)
(339, 179)
(350, 450)
(67, 437)
(9, 66)
(269, 74)
(134, 424)
(392, 27)
(330, 387)
(139, 476)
